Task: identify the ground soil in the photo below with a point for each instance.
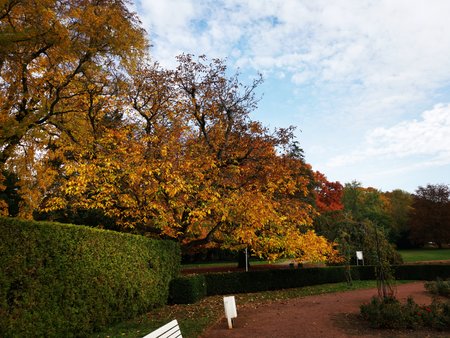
(329, 316)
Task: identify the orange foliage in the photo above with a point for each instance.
(167, 153)
(328, 195)
(189, 164)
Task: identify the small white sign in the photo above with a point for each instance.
(359, 255)
(230, 309)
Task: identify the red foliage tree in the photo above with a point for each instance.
(328, 195)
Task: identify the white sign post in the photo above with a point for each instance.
(230, 309)
(359, 257)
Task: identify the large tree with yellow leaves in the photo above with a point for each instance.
(187, 162)
(60, 62)
(88, 124)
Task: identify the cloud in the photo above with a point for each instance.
(382, 46)
(344, 66)
(338, 40)
(428, 137)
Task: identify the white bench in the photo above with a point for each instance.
(170, 330)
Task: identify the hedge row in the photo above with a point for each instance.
(187, 289)
(60, 280)
(422, 272)
(254, 281)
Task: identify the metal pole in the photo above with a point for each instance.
(246, 259)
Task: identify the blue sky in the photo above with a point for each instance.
(367, 83)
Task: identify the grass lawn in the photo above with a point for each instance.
(195, 318)
(425, 255)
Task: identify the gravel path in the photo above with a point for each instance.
(329, 315)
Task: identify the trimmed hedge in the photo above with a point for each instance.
(59, 280)
(254, 281)
(187, 289)
(363, 272)
(422, 272)
(266, 280)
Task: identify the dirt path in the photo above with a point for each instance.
(329, 315)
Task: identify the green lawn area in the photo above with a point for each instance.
(420, 255)
(195, 318)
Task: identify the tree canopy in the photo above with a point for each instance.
(430, 216)
(357, 219)
(91, 127)
(55, 56)
(188, 163)
(62, 66)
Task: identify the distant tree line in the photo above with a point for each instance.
(405, 220)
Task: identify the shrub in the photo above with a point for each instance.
(439, 287)
(62, 280)
(389, 313)
(386, 313)
(187, 289)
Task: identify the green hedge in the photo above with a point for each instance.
(59, 280)
(422, 272)
(363, 272)
(187, 289)
(254, 281)
(266, 280)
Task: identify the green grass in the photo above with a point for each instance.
(425, 255)
(195, 318)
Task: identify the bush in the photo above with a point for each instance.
(63, 280)
(439, 287)
(389, 313)
(187, 289)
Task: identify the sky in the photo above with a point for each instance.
(366, 83)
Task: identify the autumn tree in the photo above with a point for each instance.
(88, 125)
(188, 163)
(328, 195)
(59, 61)
(430, 215)
(328, 203)
(359, 224)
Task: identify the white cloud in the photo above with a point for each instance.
(429, 136)
(384, 46)
(344, 65)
